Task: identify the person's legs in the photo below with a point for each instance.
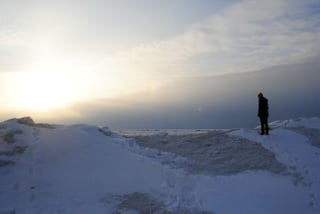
(266, 125)
(262, 125)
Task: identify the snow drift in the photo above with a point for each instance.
(86, 169)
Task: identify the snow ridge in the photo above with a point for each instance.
(87, 169)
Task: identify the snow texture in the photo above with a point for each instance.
(215, 153)
(86, 169)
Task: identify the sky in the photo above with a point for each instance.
(158, 64)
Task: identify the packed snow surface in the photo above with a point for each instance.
(87, 169)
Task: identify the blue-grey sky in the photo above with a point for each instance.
(227, 101)
(145, 61)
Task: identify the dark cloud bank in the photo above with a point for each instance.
(227, 101)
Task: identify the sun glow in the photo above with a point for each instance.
(49, 84)
(52, 85)
(56, 78)
(41, 90)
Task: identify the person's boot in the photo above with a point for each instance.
(267, 130)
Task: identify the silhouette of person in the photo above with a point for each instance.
(263, 114)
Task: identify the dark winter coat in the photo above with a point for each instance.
(263, 107)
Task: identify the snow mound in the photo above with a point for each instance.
(301, 122)
(87, 169)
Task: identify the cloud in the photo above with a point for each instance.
(247, 35)
(226, 101)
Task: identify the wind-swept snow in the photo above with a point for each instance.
(85, 169)
(214, 153)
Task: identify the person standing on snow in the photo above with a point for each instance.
(263, 114)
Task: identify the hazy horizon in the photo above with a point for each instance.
(187, 105)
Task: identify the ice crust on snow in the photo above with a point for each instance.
(215, 152)
(87, 169)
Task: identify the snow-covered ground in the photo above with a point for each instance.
(86, 169)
